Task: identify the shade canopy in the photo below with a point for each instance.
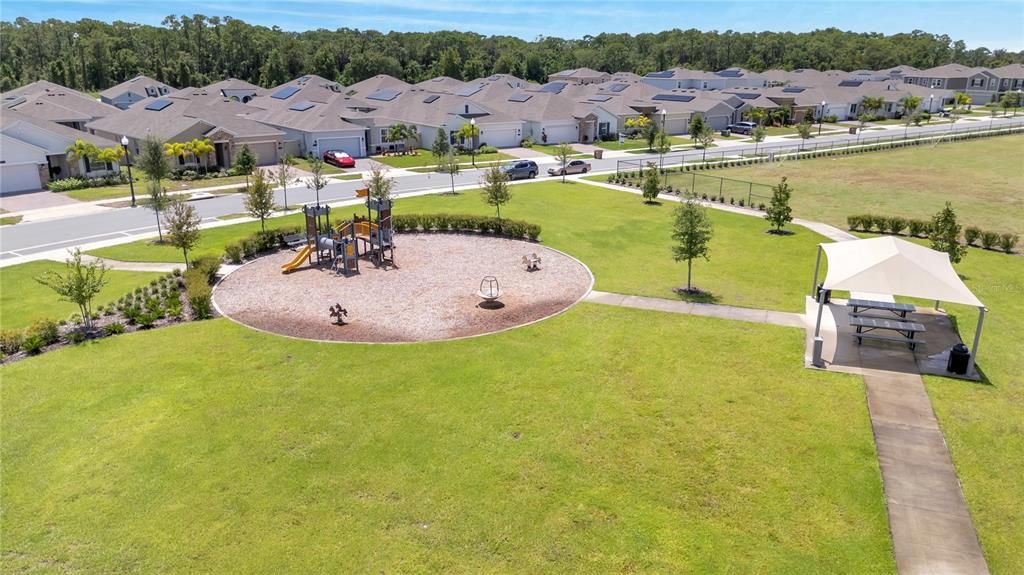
(893, 266)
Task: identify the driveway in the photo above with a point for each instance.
(25, 201)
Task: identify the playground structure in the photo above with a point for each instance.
(343, 245)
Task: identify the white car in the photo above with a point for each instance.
(573, 167)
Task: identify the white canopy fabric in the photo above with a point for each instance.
(893, 266)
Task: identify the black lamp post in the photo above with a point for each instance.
(821, 117)
(128, 161)
(472, 142)
(931, 98)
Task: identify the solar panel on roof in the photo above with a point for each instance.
(729, 73)
(673, 97)
(157, 105)
(285, 93)
(553, 87)
(600, 98)
(519, 97)
(383, 95)
(793, 90)
(617, 87)
(300, 106)
(665, 74)
(470, 90)
(850, 83)
(430, 99)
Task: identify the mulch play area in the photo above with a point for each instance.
(432, 293)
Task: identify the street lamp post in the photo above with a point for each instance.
(821, 117)
(128, 161)
(664, 113)
(472, 142)
(931, 97)
(661, 158)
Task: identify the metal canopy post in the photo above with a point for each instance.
(819, 342)
(977, 340)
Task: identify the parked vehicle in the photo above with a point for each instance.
(573, 167)
(521, 170)
(339, 159)
(745, 128)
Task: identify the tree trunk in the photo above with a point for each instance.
(689, 274)
(159, 230)
(185, 252)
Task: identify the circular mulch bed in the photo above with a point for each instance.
(430, 295)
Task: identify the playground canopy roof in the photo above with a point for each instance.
(893, 266)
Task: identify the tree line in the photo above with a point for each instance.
(195, 50)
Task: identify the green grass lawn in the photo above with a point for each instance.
(10, 220)
(302, 163)
(347, 177)
(634, 143)
(123, 191)
(549, 149)
(625, 243)
(424, 158)
(981, 178)
(594, 442)
(23, 300)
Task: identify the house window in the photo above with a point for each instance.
(603, 128)
(937, 83)
(992, 83)
(383, 134)
(853, 108)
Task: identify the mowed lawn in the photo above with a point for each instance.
(602, 440)
(984, 423)
(23, 300)
(124, 190)
(982, 178)
(626, 243)
(424, 158)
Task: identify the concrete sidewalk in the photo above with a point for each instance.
(784, 319)
(932, 531)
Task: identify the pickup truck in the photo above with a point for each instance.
(573, 167)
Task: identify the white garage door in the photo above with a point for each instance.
(499, 137)
(677, 126)
(266, 153)
(562, 134)
(349, 145)
(19, 178)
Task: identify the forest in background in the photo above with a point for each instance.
(196, 50)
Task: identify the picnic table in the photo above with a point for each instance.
(899, 309)
(906, 329)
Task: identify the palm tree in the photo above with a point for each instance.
(82, 150)
(757, 115)
(175, 149)
(203, 148)
(412, 138)
(397, 132)
(961, 99)
(871, 104)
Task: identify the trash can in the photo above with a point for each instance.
(598, 154)
(828, 294)
(958, 357)
(853, 130)
(726, 133)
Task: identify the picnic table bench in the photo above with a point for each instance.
(899, 309)
(292, 240)
(867, 324)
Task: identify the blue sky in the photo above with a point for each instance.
(993, 24)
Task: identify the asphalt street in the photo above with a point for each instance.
(32, 237)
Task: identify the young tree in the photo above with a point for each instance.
(651, 185)
(245, 163)
(158, 200)
(563, 152)
(378, 182)
(758, 135)
(692, 233)
(79, 283)
(412, 139)
(175, 150)
(82, 150)
(945, 234)
(259, 198)
(636, 124)
(910, 104)
(757, 115)
(494, 188)
(182, 221)
(468, 132)
(449, 164)
(778, 212)
(202, 149)
(961, 99)
(862, 119)
(318, 181)
(396, 133)
(705, 138)
(151, 160)
(285, 175)
(872, 104)
(440, 146)
(650, 133)
(803, 129)
(111, 155)
(696, 127)
(662, 145)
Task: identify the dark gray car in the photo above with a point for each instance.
(522, 169)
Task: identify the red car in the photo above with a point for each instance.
(339, 158)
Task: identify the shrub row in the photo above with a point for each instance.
(200, 296)
(68, 184)
(259, 242)
(465, 223)
(920, 229)
(190, 174)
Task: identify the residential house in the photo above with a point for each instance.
(55, 103)
(236, 90)
(684, 78)
(978, 83)
(580, 76)
(130, 92)
(1011, 79)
